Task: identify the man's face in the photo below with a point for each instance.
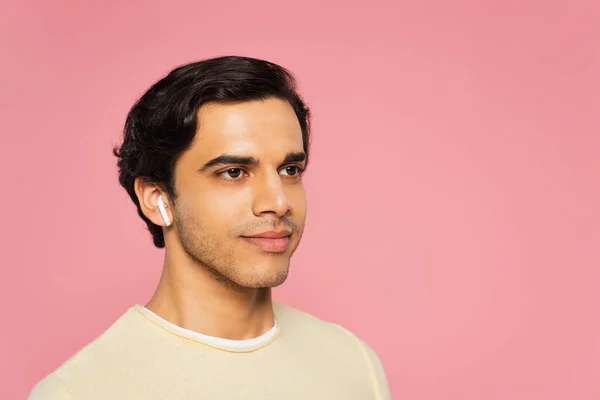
(239, 183)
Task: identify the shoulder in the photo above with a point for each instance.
(295, 320)
(306, 327)
(50, 388)
(336, 340)
(96, 355)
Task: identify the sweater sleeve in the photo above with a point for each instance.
(380, 382)
(50, 388)
(381, 389)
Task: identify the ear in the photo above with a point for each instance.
(147, 194)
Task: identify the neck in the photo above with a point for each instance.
(192, 297)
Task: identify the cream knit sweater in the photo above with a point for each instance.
(142, 356)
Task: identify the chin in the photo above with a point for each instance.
(262, 279)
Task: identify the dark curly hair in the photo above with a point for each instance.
(162, 123)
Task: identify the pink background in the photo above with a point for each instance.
(454, 196)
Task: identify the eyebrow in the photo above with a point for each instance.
(294, 157)
(229, 159)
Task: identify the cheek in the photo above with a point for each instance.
(298, 198)
(224, 211)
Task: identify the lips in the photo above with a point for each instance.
(270, 241)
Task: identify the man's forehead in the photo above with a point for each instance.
(266, 128)
(249, 116)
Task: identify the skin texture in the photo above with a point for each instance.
(214, 281)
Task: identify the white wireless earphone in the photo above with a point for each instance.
(163, 210)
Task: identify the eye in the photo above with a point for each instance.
(292, 170)
(232, 174)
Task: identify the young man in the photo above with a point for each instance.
(213, 157)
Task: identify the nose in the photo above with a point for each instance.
(270, 197)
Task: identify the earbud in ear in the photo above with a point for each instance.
(163, 210)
